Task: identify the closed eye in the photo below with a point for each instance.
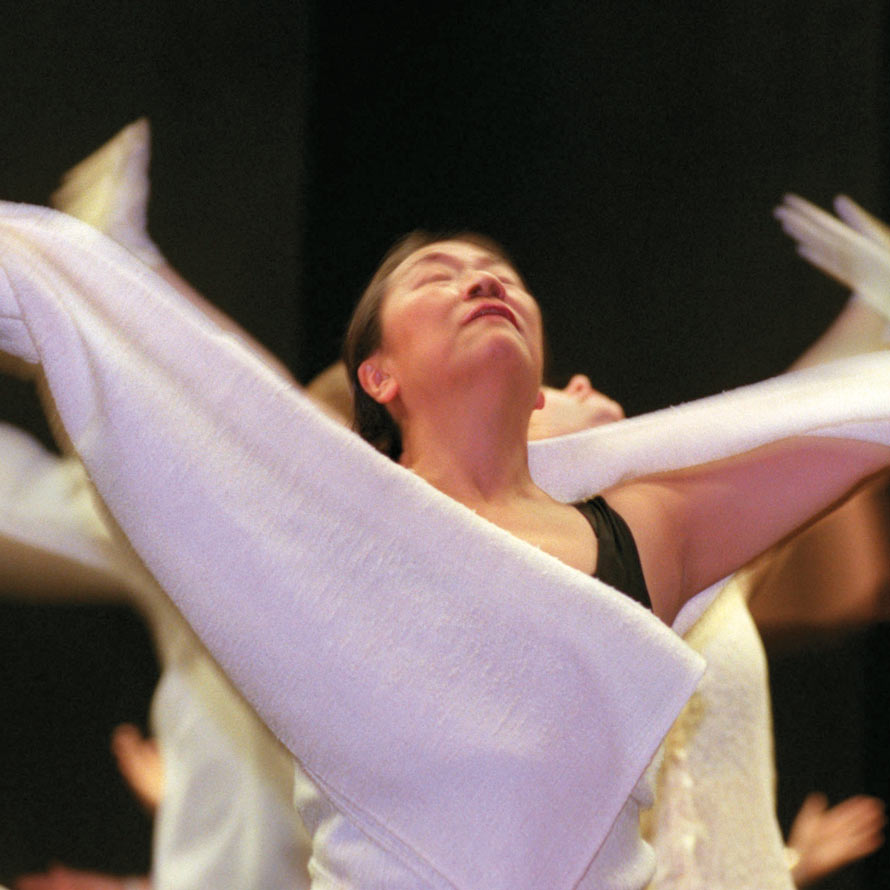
(432, 279)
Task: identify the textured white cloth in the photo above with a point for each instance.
(714, 821)
(477, 708)
(226, 817)
(473, 706)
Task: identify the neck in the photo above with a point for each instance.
(475, 451)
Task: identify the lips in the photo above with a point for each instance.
(500, 309)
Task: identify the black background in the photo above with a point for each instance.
(628, 155)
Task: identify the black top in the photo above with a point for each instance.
(617, 562)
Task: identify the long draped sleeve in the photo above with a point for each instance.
(475, 706)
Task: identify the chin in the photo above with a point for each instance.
(601, 418)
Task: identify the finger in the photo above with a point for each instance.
(807, 230)
(816, 215)
(860, 846)
(860, 806)
(815, 802)
(849, 254)
(124, 738)
(861, 220)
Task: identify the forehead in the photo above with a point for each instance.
(456, 254)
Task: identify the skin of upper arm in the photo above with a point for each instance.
(696, 525)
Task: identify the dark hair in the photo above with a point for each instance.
(364, 334)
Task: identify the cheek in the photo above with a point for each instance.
(406, 316)
(409, 339)
(537, 329)
(398, 326)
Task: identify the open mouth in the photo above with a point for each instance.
(499, 309)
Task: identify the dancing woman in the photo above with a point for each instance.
(418, 661)
(445, 350)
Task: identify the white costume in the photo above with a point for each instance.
(482, 720)
(226, 817)
(714, 821)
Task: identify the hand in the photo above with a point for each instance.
(828, 838)
(139, 761)
(61, 878)
(857, 255)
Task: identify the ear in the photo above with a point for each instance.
(539, 401)
(379, 385)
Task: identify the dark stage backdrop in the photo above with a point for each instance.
(628, 155)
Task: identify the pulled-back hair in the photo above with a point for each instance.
(364, 334)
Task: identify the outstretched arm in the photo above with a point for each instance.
(60, 877)
(834, 574)
(697, 525)
(854, 249)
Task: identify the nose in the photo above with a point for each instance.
(484, 285)
(579, 386)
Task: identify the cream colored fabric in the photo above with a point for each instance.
(228, 818)
(714, 821)
(478, 709)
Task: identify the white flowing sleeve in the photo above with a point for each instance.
(475, 706)
(843, 399)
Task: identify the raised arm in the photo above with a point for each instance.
(697, 525)
(855, 250)
(725, 513)
(110, 190)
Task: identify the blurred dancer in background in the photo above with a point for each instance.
(225, 817)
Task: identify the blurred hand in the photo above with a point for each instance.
(61, 878)
(139, 761)
(827, 838)
(856, 254)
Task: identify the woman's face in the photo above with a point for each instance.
(577, 407)
(454, 313)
